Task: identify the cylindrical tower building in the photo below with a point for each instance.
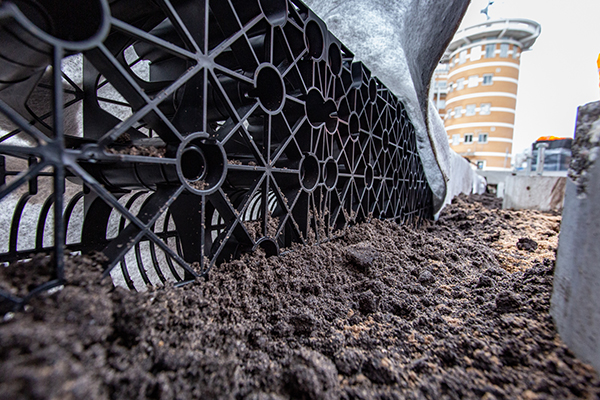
(482, 85)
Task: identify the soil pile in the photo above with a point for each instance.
(454, 309)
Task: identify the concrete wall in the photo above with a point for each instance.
(576, 294)
(543, 193)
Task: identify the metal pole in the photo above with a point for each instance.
(541, 157)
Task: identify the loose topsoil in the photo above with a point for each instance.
(454, 309)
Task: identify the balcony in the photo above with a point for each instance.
(524, 30)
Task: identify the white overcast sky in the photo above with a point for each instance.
(559, 73)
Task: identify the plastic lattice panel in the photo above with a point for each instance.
(172, 135)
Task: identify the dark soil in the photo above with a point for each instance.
(386, 312)
(148, 151)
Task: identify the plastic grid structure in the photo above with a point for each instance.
(172, 135)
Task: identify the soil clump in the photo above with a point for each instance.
(453, 309)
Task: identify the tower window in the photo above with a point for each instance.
(504, 50)
(470, 110)
(468, 138)
(483, 138)
(485, 109)
(462, 57)
(457, 112)
(488, 79)
(476, 53)
(490, 49)
(473, 81)
(460, 84)
(455, 139)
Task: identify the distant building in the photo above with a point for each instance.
(475, 89)
(557, 153)
(439, 88)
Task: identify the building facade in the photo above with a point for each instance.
(475, 89)
(439, 88)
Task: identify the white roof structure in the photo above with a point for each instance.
(524, 31)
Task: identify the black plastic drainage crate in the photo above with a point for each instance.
(172, 135)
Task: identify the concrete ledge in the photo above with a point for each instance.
(576, 293)
(534, 192)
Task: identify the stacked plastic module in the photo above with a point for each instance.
(172, 135)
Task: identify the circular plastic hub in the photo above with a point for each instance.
(268, 245)
(275, 11)
(354, 126)
(309, 172)
(385, 140)
(372, 90)
(269, 89)
(319, 111)
(369, 175)
(330, 173)
(201, 164)
(335, 58)
(313, 37)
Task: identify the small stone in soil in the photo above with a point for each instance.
(361, 256)
(426, 278)
(507, 302)
(527, 244)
